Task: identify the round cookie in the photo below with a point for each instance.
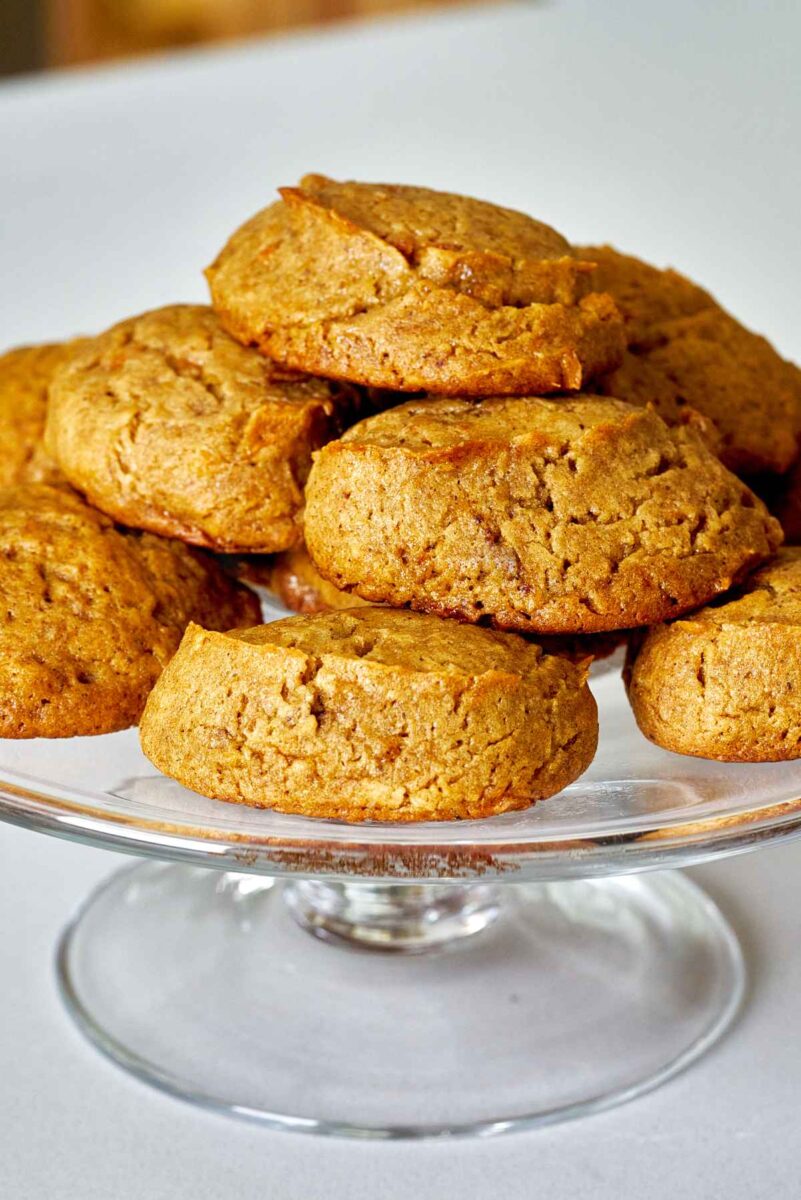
(25, 375)
(371, 714)
(168, 424)
(725, 682)
(686, 351)
(564, 516)
(91, 613)
(411, 289)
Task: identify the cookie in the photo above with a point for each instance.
(25, 375)
(686, 351)
(725, 682)
(92, 613)
(168, 424)
(371, 714)
(549, 516)
(411, 289)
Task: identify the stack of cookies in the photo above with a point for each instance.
(473, 456)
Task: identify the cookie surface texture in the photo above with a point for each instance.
(686, 352)
(25, 375)
(293, 579)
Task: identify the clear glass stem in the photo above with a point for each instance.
(406, 917)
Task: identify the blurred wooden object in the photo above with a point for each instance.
(21, 38)
(89, 30)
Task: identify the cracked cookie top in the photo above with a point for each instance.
(92, 613)
(577, 515)
(725, 682)
(167, 423)
(395, 638)
(413, 289)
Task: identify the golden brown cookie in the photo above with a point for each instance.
(411, 289)
(725, 682)
(548, 516)
(25, 375)
(167, 424)
(91, 613)
(371, 714)
(686, 351)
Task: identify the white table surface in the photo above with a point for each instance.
(669, 129)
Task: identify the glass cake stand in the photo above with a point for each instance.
(465, 977)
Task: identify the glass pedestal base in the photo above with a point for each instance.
(536, 1003)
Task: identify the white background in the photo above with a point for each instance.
(670, 129)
